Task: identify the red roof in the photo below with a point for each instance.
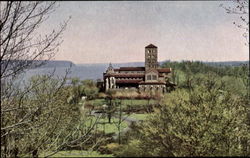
(132, 69)
(151, 46)
(146, 83)
(125, 75)
(128, 81)
(161, 70)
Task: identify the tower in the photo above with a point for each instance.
(151, 57)
(110, 69)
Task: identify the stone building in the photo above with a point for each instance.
(147, 78)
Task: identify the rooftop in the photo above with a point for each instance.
(152, 83)
(132, 69)
(125, 75)
(162, 70)
(151, 46)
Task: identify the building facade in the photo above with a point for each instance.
(148, 78)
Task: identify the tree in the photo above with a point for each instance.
(90, 89)
(50, 123)
(111, 108)
(206, 121)
(53, 121)
(241, 8)
(77, 91)
(30, 112)
(132, 149)
(20, 43)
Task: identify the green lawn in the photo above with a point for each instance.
(97, 102)
(137, 102)
(103, 125)
(78, 153)
(139, 116)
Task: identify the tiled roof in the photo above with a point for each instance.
(150, 83)
(128, 81)
(129, 75)
(161, 70)
(132, 69)
(125, 75)
(151, 46)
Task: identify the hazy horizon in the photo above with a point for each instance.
(158, 61)
(118, 31)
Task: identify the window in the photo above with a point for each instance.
(148, 77)
(153, 77)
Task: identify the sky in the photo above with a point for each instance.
(118, 31)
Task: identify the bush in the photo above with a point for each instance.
(206, 121)
(132, 149)
(109, 148)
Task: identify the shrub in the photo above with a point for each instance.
(132, 149)
(109, 148)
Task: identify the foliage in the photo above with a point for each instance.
(28, 122)
(131, 94)
(90, 89)
(109, 148)
(132, 149)
(51, 123)
(189, 73)
(82, 88)
(206, 121)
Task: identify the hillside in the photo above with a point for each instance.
(56, 63)
(95, 71)
(218, 63)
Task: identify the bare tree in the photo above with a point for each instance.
(35, 117)
(21, 44)
(241, 8)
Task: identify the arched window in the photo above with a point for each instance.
(148, 77)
